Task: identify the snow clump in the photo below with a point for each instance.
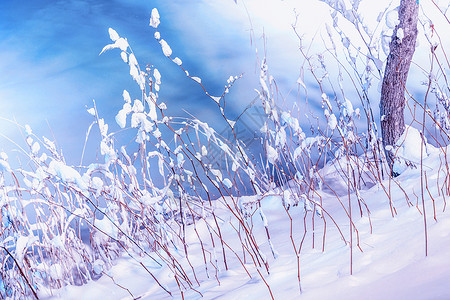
(154, 19)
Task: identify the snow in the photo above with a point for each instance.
(326, 101)
(197, 79)
(124, 56)
(165, 48)
(138, 107)
(272, 154)
(154, 18)
(216, 99)
(293, 122)
(98, 266)
(332, 122)
(137, 75)
(217, 173)
(386, 255)
(4, 165)
(122, 44)
(28, 130)
(227, 183)
(113, 35)
(106, 227)
(400, 34)
(121, 118)
(177, 61)
(157, 133)
(180, 159)
(300, 81)
(56, 272)
(35, 148)
(21, 246)
(348, 108)
(408, 150)
(280, 139)
(141, 119)
(392, 18)
(91, 111)
(157, 76)
(152, 110)
(66, 174)
(160, 161)
(29, 140)
(108, 151)
(231, 123)
(97, 183)
(410, 142)
(387, 260)
(126, 96)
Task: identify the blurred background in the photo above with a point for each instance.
(50, 68)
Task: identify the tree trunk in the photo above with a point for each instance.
(401, 48)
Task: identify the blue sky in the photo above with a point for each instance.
(50, 67)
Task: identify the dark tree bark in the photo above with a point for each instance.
(394, 81)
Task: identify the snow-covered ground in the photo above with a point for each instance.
(389, 263)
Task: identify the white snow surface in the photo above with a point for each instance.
(390, 262)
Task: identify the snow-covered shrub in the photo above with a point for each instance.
(42, 209)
